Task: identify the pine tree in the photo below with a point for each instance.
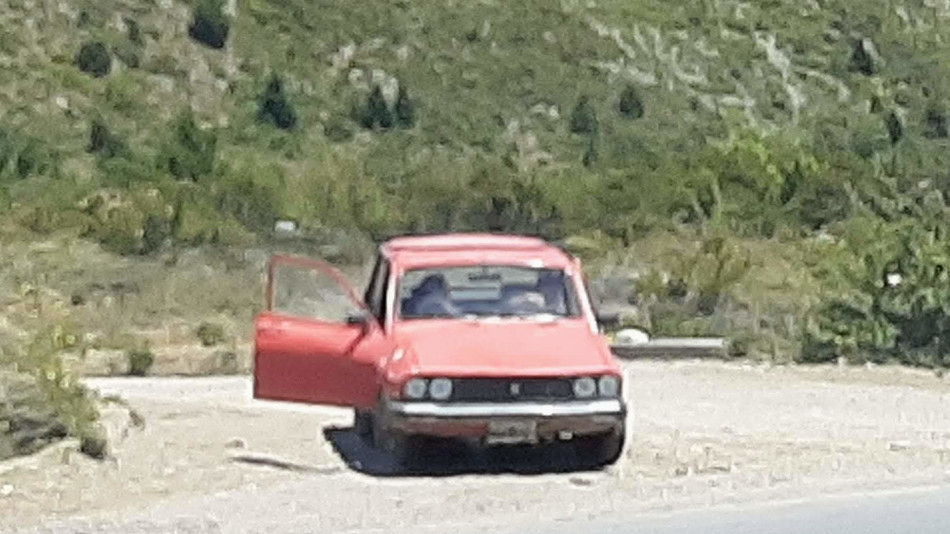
(584, 117)
(274, 106)
(630, 105)
(405, 109)
(378, 109)
(895, 130)
(590, 153)
(93, 58)
(210, 27)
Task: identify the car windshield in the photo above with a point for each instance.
(486, 291)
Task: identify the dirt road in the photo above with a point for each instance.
(210, 459)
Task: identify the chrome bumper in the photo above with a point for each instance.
(487, 410)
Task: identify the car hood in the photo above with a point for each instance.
(503, 348)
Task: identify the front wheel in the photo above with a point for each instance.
(600, 450)
(363, 424)
(401, 448)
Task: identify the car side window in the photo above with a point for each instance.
(371, 287)
(376, 293)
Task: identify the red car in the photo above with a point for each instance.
(483, 337)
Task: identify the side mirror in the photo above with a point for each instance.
(360, 317)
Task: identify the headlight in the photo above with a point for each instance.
(440, 388)
(585, 387)
(609, 386)
(415, 388)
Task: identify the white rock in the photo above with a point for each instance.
(630, 337)
(6, 490)
(285, 227)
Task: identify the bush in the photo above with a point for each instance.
(35, 158)
(274, 108)
(42, 401)
(377, 111)
(210, 27)
(889, 295)
(405, 109)
(190, 154)
(584, 117)
(154, 233)
(121, 232)
(140, 361)
(103, 142)
(135, 32)
(630, 105)
(210, 334)
(93, 58)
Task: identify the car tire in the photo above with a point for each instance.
(400, 447)
(600, 450)
(363, 424)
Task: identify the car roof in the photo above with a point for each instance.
(471, 248)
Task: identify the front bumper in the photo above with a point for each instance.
(473, 420)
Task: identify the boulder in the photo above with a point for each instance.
(631, 337)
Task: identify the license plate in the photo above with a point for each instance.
(511, 432)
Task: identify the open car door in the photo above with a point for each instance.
(307, 340)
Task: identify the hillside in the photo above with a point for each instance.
(744, 160)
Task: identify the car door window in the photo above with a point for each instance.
(302, 291)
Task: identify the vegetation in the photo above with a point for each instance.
(43, 402)
(94, 59)
(140, 361)
(732, 158)
(210, 334)
(210, 27)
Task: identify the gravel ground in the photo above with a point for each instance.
(210, 459)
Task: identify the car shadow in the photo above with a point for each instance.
(450, 458)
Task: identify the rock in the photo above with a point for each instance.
(6, 490)
(630, 337)
(236, 443)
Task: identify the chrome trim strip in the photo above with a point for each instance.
(516, 409)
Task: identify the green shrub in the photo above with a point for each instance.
(405, 109)
(35, 157)
(154, 233)
(135, 32)
(630, 105)
(210, 27)
(93, 58)
(43, 402)
(190, 153)
(377, 113)
(274, 108)
(210, 334)
(140, 361)
(104, 142)
(584, 117)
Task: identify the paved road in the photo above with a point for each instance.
(923, 511)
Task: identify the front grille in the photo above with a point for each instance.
(511, 389)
